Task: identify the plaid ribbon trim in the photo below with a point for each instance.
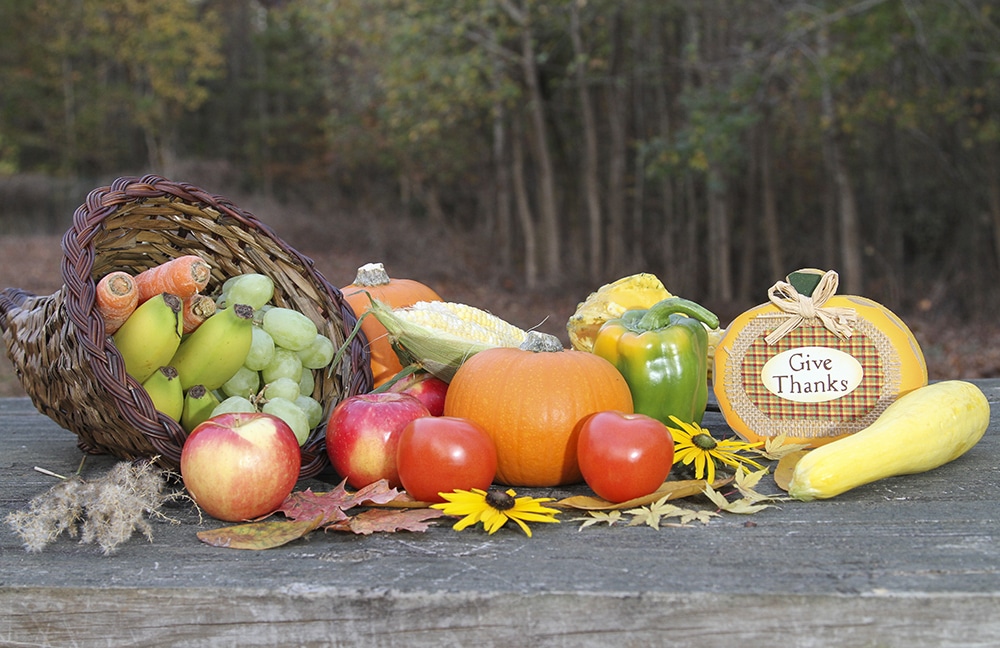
(769, 415)
(848, 407)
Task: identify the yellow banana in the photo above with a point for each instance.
(198, 405)
(164, 388)
(150, 336)
(214, 351)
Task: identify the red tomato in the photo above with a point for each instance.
(439, 454)
(624, 456)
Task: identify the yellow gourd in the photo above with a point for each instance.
(924, 429)
(609, 302)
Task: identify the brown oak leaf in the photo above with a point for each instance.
(330, 506)
(387, 520)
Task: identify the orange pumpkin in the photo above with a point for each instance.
(373, 280)
(530, 403)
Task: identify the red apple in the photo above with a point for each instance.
(427, 387)
(240, 465)
(363, 432)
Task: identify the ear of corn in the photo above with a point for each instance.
(439, 336)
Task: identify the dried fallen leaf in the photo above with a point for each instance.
(384, 520)
(743, 506)
(783, 472)
(670, 490)
(654, 514)
(331, 505)
(778, 447)
(260, 535)
(596, 517)
(746, 483)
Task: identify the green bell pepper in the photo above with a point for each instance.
(662, 352)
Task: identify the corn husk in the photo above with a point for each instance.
(446, 335)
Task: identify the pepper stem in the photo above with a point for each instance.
(658, 315)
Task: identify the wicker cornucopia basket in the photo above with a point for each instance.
(71, 369)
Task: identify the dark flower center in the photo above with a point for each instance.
(499, 500)
(704, 441)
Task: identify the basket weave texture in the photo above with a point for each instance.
(71, 369)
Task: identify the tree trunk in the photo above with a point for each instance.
(524, 215)
(847, 211)
(617, 152)
(769, 206)
(502, 180)
(591, 187)
(720, 285)
(668, 196)
(548, 209)
(993, 197)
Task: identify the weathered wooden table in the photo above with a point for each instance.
(909, 561)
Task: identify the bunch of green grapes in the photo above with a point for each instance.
(277, 376)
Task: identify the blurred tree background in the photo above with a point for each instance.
(549, 144)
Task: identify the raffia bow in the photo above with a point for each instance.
(797, 308)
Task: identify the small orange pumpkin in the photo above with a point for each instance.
(373, 282)
(530, 403)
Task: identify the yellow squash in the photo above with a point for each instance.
(921, 430)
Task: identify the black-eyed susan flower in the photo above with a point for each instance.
(494, 508)
(692, 444)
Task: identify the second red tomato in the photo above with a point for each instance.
(439, 454)
(624, 456)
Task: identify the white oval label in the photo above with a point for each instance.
(812, 374)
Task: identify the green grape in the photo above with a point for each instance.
(313, 409)
(258, 314)
(261, 350)
(307, 383)
(253, 289)
(289, 328)
(234, 404)
(282, 388)
(245, 382)
(285, 364)
(318, 354)
(220, 299)
(291, 414)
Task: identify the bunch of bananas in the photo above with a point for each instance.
(248, 349)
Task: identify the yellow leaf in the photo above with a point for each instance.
(595, 517)
(778, 447)
(741, 506)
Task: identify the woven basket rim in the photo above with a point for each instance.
(78, 293)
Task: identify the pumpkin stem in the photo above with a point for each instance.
(372, 274)
(541, 342)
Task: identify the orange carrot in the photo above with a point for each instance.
(196, 309)
(116, 298)
(183, 276)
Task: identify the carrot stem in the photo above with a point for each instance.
(183, 276)
(116, 297)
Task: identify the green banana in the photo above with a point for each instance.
(214, 351)
(198, 405)
(164, 388)
(150, 336)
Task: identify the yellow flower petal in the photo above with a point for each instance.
(493, 520)
(524, 527)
